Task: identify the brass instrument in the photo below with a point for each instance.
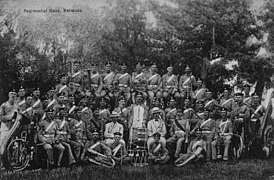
(101, 159)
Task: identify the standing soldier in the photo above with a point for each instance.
(60, 102)
(171, 112)
(157, 152)
(108, 78)
(49, 135)
(170, 85)
(210, 103)
(21, 96)
(78, 135)
(103, 109)
(199, 115)
(62, 86)
(95, 81)
(222, 137)
(247, 98)
(154, 84)
(37, 104)
(240, 116)
(64, 134)
(76, 76)
(51, 101)
(122, 83)
(200, 92)
(187, 83)
(97, 123)
(139, 82)
(227, 101)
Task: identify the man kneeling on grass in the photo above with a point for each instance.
(96, 151)
(119, 151)
(196, 150)
(157, 152)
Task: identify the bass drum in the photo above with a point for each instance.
(18, 155)
(268, 141)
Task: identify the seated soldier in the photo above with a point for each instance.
(156, 125)
(196, 150)
(113, 127)
(224, 135)
(157, 152)
(95, 147)
(178, 132)
(49, 135)
(78, 135)
(119, 151)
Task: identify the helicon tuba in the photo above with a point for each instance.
(101, 159)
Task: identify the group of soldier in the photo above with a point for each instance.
(89, 113)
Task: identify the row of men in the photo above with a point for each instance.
(139, 115)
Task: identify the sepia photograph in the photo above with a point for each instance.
(136, 89)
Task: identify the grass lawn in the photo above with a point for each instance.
(252, 169)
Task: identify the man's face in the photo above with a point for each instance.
(187, 102)
(102, 103)
(209, 94)
(71, 99)
(36, 93)
(12, 96)
(86, 115)
(199, 83)
(79, 114)
(179, 114)
(223, 114)
(206, 114)
(21, 92)
(50, 115)
(200, 106)
(188, 72)
(170, 70)
(108, 67)
(172, 103)
(95, 136)
(117, 138)
(62, 113)
(239, 99)
(156, 139)
(156, 115)
(76, 66)
(226, 93)
(123, 67)
(139, 98)
(138, 67)
(114, 119)
(93, 68)
(156, 103)
(51, 93)
(64, 80)
(199, 134)
(29, 100)
(96, 112)
(61, 99)
(256, 99)
(246, 90)
(122, 102)
(153, 68)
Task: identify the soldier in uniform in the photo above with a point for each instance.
(8, 111)
(200, 92)
(60, 102)
(95, 146)
(157, 152)
(62, 86)
(240, 116)
(122, 83)
(78, 134)
(156, 125)
(76, 77)
(199, 115)
(210, 103)
(123, 111)
(64, 133)
(113, 127)
(178, 132)
(171, 112)
(207, 125)
(247, 98)
(96, 82)
(187, 83)
(119, 151)
(49, 135)
(51, 101)
(108, 78)
(222, 137)
(154, 84)
(21, 96)
(37, 103)
(139, 82)
(227, 101)
(157, 104)
(103, 109)
(170, 85)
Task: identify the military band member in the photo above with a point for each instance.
(62, 86)
(104, 112)
(157, 152)
(37, 103)
(51, 101)
(60, 102)
(8, 112)
(200, 92)
(157, 104)
(21, 96)
(170, 84)
(199, 115)
(107, 79)
(156, 125)
(138, 113)
(171, 112)
(187, 80)
(257, 113)
(122, 81)
(247, 98)
(119, 151)
(97, 122)
(240, 116)
(178, 132)
(49, 135)
(78, 135)
(210, 103)
(95, 146)
(227, 101)
(154, 84)
(96, 82)
(222, 137)
(207, 125)
(64, 133)
(139, 82)
(76, 77)
(113, 127)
